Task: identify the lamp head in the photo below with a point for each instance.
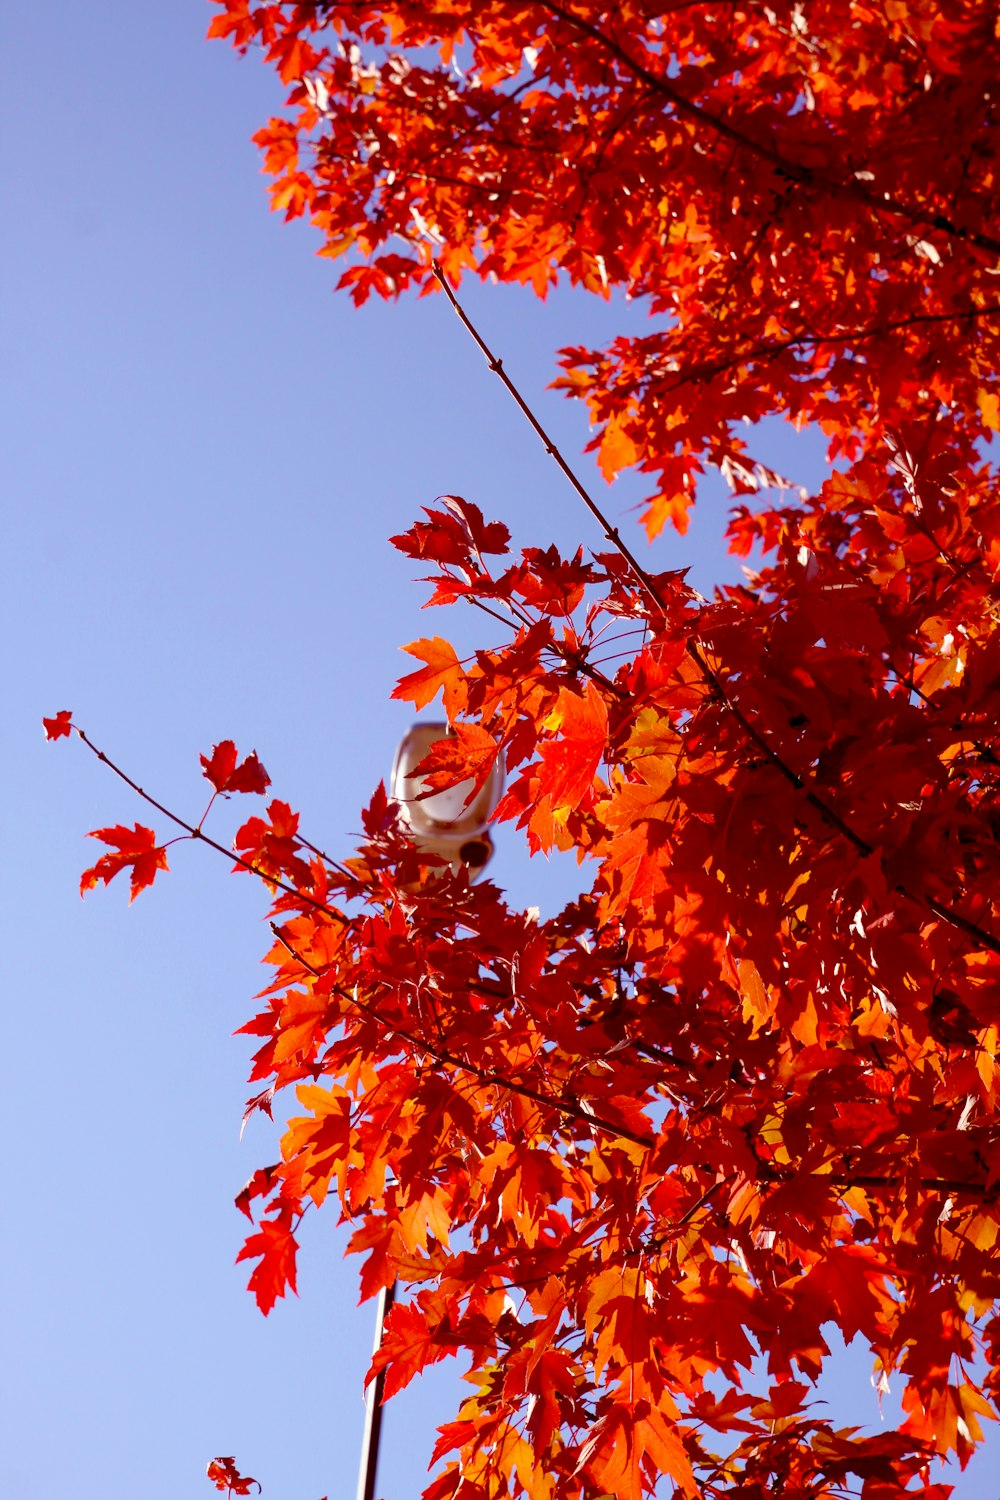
(452, 824)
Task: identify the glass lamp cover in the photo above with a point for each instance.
(450, 812)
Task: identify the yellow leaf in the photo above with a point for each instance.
(653, 749)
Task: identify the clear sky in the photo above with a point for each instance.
(204, 452)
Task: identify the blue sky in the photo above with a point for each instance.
(204, 454)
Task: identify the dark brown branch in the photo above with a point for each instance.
(569, 1109)
(708, 371)
(701, 1202)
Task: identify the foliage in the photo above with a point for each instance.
(226, 1477)
(630, 1161)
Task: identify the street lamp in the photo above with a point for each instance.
(454, 825)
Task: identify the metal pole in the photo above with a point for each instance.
(373, 1405)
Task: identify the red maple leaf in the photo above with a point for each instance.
(262, 1101)
(225, 775)
(259, 1186)
(136, 849)
(61, 725)
(225, 1476)
(270, 845)
(468, 753)
(274, 1247)
(408, 1346)
(569, 763)
(456, 534)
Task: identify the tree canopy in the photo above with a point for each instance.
(630, 1160)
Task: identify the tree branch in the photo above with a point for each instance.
(772, 350)
(442, 1055)
(551, 448)
(709, 675)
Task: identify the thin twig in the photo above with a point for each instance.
(496, 365)
(708, 370)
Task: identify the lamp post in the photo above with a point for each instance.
(373, 1406)
(453, 825)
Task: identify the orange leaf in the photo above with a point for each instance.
(236, 21)
(569, 764)
(443, 671)
(617, 449)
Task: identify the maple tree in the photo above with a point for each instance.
(630, 1160)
